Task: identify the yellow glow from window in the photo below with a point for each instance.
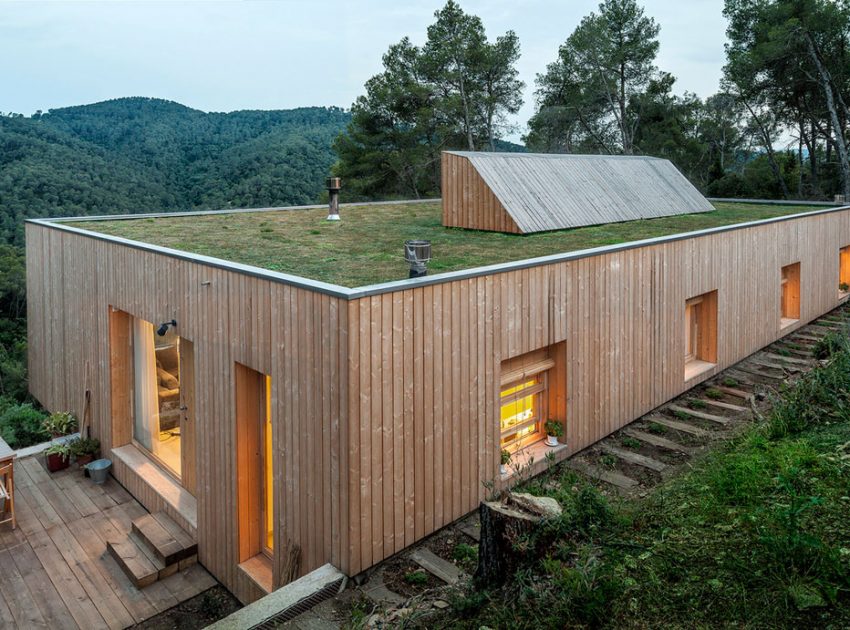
(518, 411)
(268, 467)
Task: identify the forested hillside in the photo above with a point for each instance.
(150, 155)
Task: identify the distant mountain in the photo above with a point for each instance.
(136, 155)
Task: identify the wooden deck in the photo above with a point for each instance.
(54, 568)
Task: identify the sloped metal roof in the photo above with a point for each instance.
(557, 191)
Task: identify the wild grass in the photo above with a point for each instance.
(756, 534)
(366, 246)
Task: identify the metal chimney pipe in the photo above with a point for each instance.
(334, 184)
(417, 254)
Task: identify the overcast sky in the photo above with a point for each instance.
(229, 55)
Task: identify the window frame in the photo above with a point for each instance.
(538, 373)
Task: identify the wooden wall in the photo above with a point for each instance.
(424, 362)
(296, 336)
(467, 201)
(385, 407)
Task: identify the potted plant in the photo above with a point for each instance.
(844, 287)
(554, 430)
(60, 423)
(506, 459)
(58, 456)
(85, 450)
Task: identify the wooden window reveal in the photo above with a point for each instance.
(790, 296)
(701, 330)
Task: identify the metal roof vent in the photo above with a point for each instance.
(417, 254)
(334, 184)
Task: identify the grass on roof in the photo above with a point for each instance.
(366, 246)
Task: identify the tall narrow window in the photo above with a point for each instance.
(523, 401)
(844, 271)
(700, 334)
(156, 405)
(255, 463)
(790, 295)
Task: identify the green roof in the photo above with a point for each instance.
(366, 246)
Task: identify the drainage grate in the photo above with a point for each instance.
(302, 606)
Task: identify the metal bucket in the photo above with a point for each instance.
(99, 470)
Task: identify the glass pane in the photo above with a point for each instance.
(518, 411)
(156, 421)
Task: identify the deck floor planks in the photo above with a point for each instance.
(57, 574)
(46, 597)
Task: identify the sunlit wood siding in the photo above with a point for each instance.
(385, 400)
(297, 337)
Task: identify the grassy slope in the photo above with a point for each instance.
(366, 246)
(755, 535)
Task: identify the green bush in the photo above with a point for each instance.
(20, 425)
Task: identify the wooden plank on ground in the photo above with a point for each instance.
(435, 565)
(775, 366)
(782, 358)
(699, 414)
(737, 393)
(723, 405)
(678, 426)
(657, 440)
(633, 458)
(608, 476)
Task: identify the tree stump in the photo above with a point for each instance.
(503, 524)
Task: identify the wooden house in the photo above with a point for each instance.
(288, 422)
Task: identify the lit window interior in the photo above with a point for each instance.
(520, 418)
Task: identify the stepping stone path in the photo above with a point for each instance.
(609, 476)
(700, 414)
(679, 426)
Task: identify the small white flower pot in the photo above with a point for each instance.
(551, 440)
(503, 469)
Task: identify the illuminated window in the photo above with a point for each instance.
(844, 270)
(790, 296)
(700, 334)
(523, 403)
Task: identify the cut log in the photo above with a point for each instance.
(503, 523)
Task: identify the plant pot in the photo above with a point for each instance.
(503, 469)
(56, 462)
(551, 440)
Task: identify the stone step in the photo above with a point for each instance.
(723, 405)
(657, 440)
(434, 564)
(699, 414)
(608, 476)
(678, 426)
(634, 458)
(164, 538)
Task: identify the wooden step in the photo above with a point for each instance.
(164, 538)
(678, 426)
(723, 405)
(772, 356)
(634, 458)
(657, 440)
(608, 476)
(134, 562)
(737, 393)
(699, 414)
(436, 566)
(763, 362)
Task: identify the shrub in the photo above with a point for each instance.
(713, 393)
(416, 577)
(20, 425)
